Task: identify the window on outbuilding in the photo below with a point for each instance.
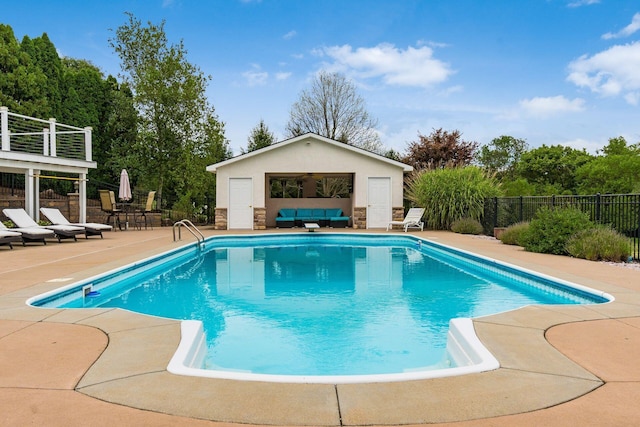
(310, 186)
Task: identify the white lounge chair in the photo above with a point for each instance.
(91, 228)
(412, 219)
(30, 234)
(7, 237)
(21, 218)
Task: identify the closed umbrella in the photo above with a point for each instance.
(125, 188)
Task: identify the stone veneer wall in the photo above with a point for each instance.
(259, 218)
(221, 219)
(397, 214)
(359, 219)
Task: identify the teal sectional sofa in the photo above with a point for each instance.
(333, 217)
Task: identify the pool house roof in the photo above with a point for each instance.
(278, 145)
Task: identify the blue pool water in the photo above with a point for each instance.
(320, 304)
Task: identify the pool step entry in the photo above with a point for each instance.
(191, 228)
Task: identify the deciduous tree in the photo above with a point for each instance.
(554, 166)
(176, 123)
(502, 154)
(333, 108)
(615, 172)
(439, 149)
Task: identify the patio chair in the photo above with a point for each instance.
(141, 214)
(109, 206)
(29, 235)
(412, 219)
(21, 218)
(7, 237)
(91, 228)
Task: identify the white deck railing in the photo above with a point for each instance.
(25, 134)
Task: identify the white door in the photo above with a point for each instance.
(240, 214)
(379, 202)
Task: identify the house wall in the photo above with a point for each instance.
(306, 156)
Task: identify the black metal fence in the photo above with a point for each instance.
(620, 211)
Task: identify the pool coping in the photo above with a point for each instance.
(548, 376)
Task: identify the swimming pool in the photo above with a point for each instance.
(248, 285)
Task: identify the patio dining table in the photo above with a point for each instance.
(126, 208)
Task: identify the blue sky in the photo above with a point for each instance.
(548, 71)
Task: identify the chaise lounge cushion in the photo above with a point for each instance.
(91, 228)
(21, 218)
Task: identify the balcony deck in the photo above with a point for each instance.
(34, 147)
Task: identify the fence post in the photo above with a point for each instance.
(52, 137)
(553, 200)
(597, 219)
(45, 141)
(4, 128)
(521, 217)
(495, 212)
(88, 154)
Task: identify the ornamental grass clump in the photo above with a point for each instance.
(551, 228)
(599, 244)
(450, 194)
(467, 226)
(512, 235)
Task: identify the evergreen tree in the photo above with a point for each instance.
(46, 58)
(260, 137)
(21, 82)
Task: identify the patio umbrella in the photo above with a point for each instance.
(125, 188)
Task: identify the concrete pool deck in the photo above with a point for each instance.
(560, 365)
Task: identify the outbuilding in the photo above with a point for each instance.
(308, 172)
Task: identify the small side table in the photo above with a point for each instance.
(311, 226)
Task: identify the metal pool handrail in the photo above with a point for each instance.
(190, 227)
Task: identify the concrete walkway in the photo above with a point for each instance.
(560, 365)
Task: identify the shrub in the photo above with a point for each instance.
(467, 226)
(451, 194)
(512, 235)
(550, 229)
(599, 244)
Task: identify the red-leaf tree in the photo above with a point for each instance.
(440, 149)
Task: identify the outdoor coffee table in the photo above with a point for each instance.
(311, 226)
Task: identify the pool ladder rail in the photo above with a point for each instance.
(191, 228)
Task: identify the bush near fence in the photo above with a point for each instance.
(619, 211)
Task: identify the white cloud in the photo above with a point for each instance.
(282, 76)
(410, 67)
(632, 98)
(544, 107)
(255, 77)
(579, 143)
(611, 72)
(291, 34)
(579, 3)
(626, 31)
